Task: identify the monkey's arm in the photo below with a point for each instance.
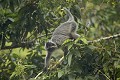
(74, 28)
(75, 35)
(47, 60)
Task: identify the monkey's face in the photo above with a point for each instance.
(50, 46)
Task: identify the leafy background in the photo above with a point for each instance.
(25, 26)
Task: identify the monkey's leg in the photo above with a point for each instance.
(47, 61)
(65, 50)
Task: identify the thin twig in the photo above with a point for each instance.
(105, 38)
(104, 74)
(38, 75)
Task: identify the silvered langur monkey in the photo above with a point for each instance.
(64, 31)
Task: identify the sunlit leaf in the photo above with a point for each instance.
(84, 40)
(60, 73)
(69, 59)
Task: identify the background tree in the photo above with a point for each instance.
(25, 26)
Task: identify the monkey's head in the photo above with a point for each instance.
(50, 46)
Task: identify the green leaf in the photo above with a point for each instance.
(60, 73)
(69, 59)
(12, 6)
(71, 77)
(66, 41)
(30, 66)
(92, 47)
(32, 79)
(84, 40)
(78, 39)
(69, 47)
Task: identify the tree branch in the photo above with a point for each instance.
(105, 38)
(23, 44)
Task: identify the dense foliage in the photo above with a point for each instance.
(25, 26)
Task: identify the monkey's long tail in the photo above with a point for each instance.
(71, 18)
